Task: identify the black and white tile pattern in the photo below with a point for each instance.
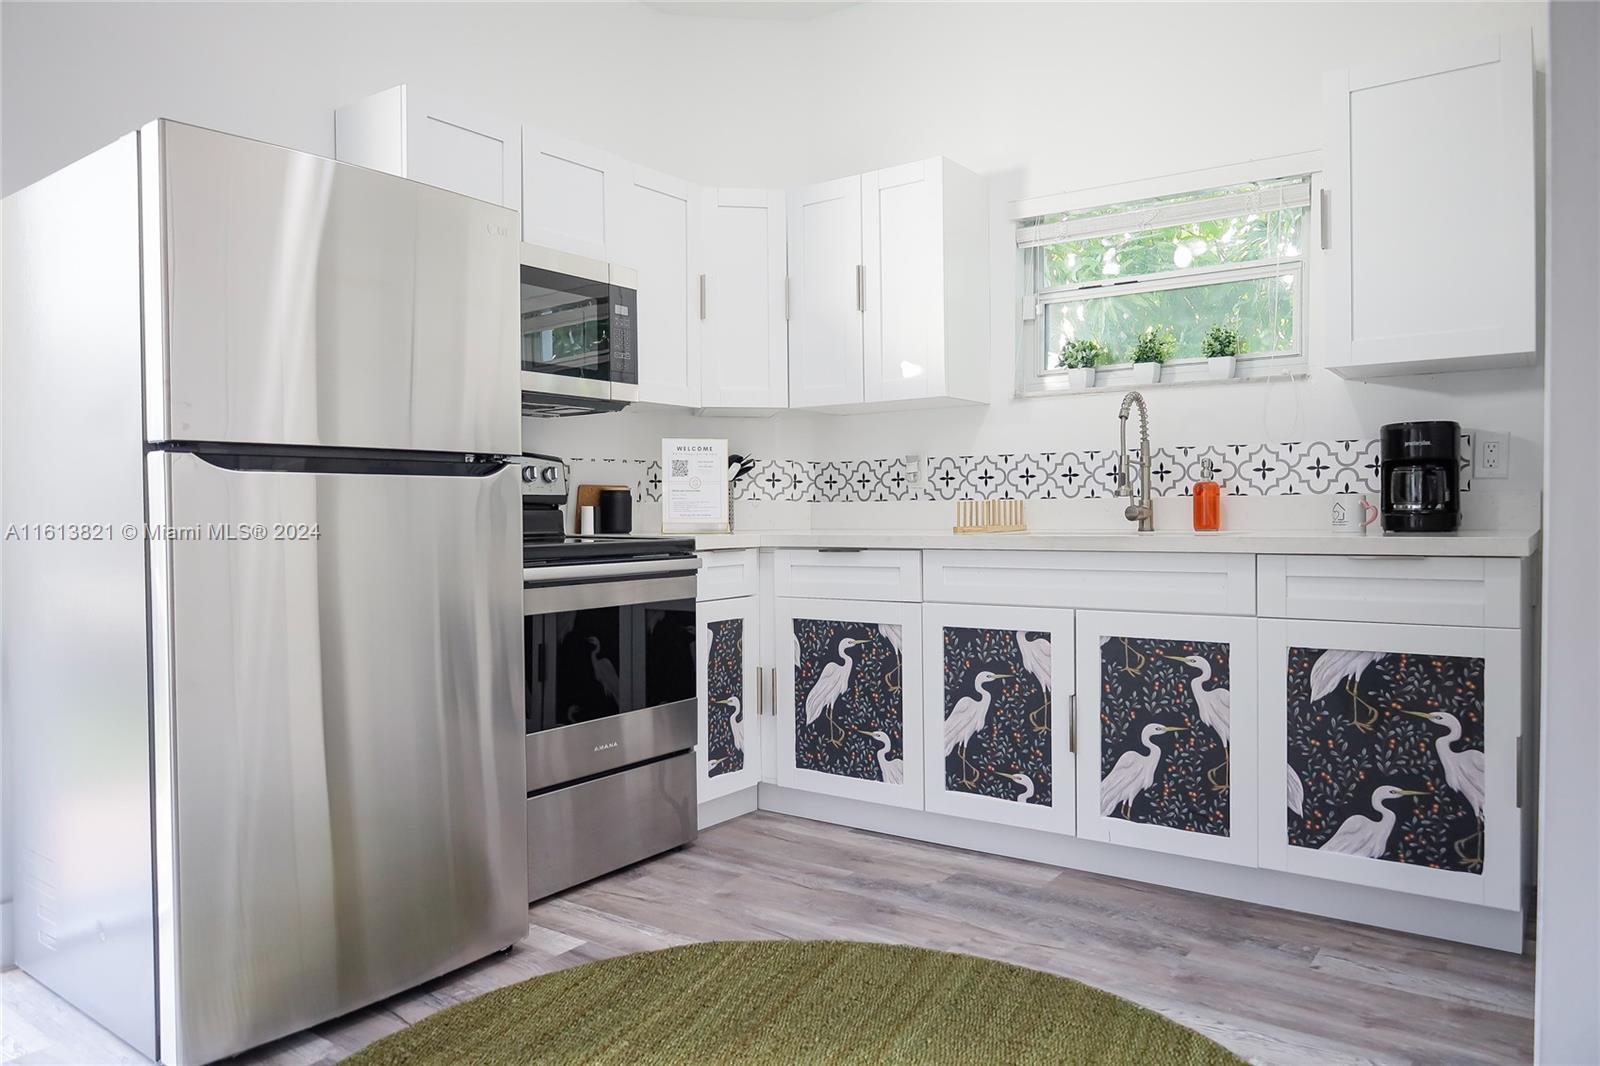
(1288, 468)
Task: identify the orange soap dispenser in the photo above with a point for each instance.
(1207, 500)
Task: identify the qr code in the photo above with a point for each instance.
(680, 468)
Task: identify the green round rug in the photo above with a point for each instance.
(795, 1002)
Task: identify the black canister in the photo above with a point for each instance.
(615, 512)
(1421, 477)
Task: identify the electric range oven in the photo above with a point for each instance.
(609, 639)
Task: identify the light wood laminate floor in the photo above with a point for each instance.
(1275, 986)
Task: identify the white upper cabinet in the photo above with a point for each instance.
(827, 278)
(1429, 224)
(654, 223)
(926, 288)
(744, 339)
(569, 193)
(889, 281)
(429, 138)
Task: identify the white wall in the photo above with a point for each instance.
(1568, 989)
(1040, 97)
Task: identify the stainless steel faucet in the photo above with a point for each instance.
(1140, 509)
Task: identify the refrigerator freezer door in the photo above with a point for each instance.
(339, 724)
(308, 302)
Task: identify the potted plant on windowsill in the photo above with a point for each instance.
(1080, 358)
(1153, 348)
(1221, 348)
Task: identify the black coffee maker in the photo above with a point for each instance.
(1421, 477)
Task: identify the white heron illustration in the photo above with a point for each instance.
(1333, 667)
(1027, 786)
(1134, 772)
(1463, 771)
(832, 683)
(967, 717)
(1036, 660)
(1214, 706)
(1369, 837)
(1297, 792)
(893, 771)
(605, 671)
(891, 633)
(735, 720)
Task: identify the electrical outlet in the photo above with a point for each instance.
(914, 471)
(1491, 454)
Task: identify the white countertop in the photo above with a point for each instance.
(1465, 544)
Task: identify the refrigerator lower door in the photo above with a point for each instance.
(340, 805)
(291, 299)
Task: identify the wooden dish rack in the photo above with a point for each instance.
(990, 516)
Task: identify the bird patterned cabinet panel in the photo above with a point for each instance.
(1396, 756)
(999, 685)
(849, 698)
(730, 696)
(1166, 741)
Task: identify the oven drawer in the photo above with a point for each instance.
(585, 830)
(571, 752)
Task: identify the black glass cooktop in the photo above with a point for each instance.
(567, 550)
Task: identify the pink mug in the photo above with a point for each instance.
(1352, 513)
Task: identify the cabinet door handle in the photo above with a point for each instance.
(702, 297)
(759, 691)
(861, 287)
(772, 679)
(1326, 218)
(1072, 724)
(1519, 773)
(788, 304)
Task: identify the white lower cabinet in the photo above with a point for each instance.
(849, 699)
(1167, 733)
(728, 754)
(997, 706)
(1389, 756)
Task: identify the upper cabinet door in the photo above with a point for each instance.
(654, 228)
(1167, 733)
(744, 338)
(427, 137)
(568, 195)
(901, 211)
(827, 293)
(1429, 224)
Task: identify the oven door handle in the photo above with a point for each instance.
(590, 595)
(566, 575)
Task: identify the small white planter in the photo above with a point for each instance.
(1144, 373)
(1081, 379)
(1221, 367)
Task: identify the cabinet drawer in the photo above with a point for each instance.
(1419, 590)
(1145, 581)
(725, 575)
(894, 576)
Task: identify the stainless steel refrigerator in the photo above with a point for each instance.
(261, 658)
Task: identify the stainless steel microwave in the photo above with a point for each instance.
(579, 333)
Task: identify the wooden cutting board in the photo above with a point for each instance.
(589, 496)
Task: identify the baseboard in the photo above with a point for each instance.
(1461, 922)
(723, 808)
(8, 958)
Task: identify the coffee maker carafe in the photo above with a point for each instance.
(1421, 477)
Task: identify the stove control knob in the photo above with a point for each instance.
(549, 475)
(528, 473)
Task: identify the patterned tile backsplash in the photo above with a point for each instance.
(1293, 468)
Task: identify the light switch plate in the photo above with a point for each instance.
(913, 471)
(1491, 454)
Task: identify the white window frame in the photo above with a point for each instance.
(1032, 376)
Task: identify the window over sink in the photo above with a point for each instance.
(1199, 286)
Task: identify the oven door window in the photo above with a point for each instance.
(566, 324)
(602, 661)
